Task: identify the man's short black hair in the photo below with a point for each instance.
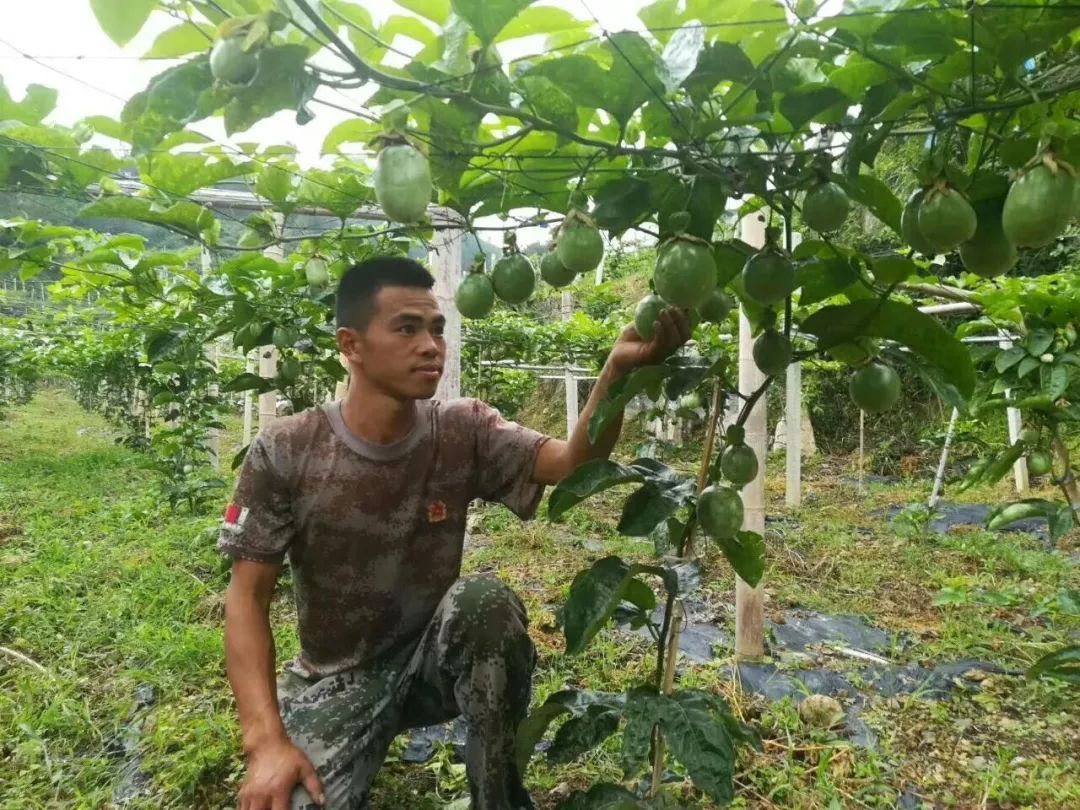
(361, 283)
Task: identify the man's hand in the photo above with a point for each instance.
(273, 770)
(631, 351)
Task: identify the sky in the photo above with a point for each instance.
(64, 36)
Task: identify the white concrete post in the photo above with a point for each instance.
(214, 438)
(249, 367)
(569, 380)
(445, 259)
(793, 439)
(749, 602)
(268, 355)
(1014, 419)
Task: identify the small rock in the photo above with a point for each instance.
(821, 711)
(560, 791)
(978, 762)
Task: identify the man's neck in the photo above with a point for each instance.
(376, 417)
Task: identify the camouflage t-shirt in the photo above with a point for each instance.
(374, 532)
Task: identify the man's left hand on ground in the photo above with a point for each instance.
(632, 351)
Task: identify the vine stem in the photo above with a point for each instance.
(1067, 480)
(673, 616)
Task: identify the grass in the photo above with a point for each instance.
(104, 590)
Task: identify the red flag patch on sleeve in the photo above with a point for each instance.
(235, 515)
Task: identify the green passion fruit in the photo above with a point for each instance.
(825, 207)
(739, 464)
(946, 218)
(989, 252)
(230, 63)
(875, 387)
(1039, 462)
(717, 307)
(513, 278)
(768, 278)
(909, 226)
(1039, 206)
(772, 352)
(720, 512)
(475, 296)
(316, 272)
(580, 246)
(1029, 436)
(403, 182)
(647, 313)
(685, 274)
(554, 272)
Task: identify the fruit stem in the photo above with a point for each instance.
(673, 622)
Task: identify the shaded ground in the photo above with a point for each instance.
(119, 603)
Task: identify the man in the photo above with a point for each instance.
(368, 497)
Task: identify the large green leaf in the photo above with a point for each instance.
(718, 62)
(582, 733)
(180, 40)
(171, 100)
(185, 216)
(620, 393)
(604, 797)
(594, 595)
(544, 98)
(901, 322)
(819, 279)
(652, 504)
(875, 195)
(1063, 664)
(185, 172)
(622, 203)
(488, 17)
(811, 102)
(121, 20)
(588, 479)
(435, 10)
(567, 701)
(38, 102)
(542, 20)
(281, 83)
(746, 554)
(339, 192)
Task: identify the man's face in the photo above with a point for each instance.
(402, 351)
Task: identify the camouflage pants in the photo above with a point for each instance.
(475, 659)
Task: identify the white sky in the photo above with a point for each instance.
(64, 35)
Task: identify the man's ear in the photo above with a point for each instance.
(349, 344)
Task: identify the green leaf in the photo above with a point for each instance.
(545, 99)
(746, 554)
(588, 479)
(184, 172)
(121, 20)
(857, 76)
(583, 733)
(995, 470)
(36, 105)
(1061, 522)
(488, 17)
(180, 40)
(594, 595)
(1038, 341)
(248, 382)
(352, 130)
(680, 56)
(893, 269)
(1009, 358)
(281, 83)
(823, 278)
(1063, 664)
(277, 184)
(567, 701)
(341, 192)
(899, 322)
(642, 713)
(621, 204)
(809, 102)
(541, 20)
(619, 395)
(438, 11)
(876, 196)
(603, 797)
(718, 62)
(652, 504)
(699, 738)
(172, 99)
(1054, 380)
(185, 216)
(1027, 365)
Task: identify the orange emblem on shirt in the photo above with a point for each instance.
(436, 513)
